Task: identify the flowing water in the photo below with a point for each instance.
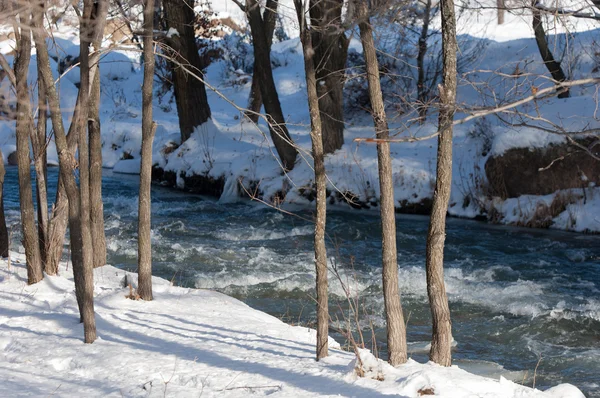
(516, 295)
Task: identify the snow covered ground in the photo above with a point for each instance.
(192, 342)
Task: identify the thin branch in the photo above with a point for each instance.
(489, 111)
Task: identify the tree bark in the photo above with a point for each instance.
(255, 99)
(321, 183)
(553, 66)
(501, 11)
(95, 140)
(148, 130)
(23, 129)
(190, 93)
(4, 242)
(262, 69)
(441, 343)
(82, 265)
(87, 251)
(38, 144)
(396, 328)
(331, 51)
(422, 91)
(57, 225)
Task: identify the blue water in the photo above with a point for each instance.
(516, 295)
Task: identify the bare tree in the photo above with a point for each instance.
(81, 244)
(38, 145)
(331, 51)
(255, 101)
(553, 66)
(396, 329)
(320, 181)
(262, 69)
(148, 130)
(422, 90)
(96, 29)
(441, 343)
(4, 243)
(190, 93)
(23, 129)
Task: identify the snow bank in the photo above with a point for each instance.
(190, 342)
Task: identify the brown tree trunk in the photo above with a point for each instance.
(82, 265)
(87, 251)
(441, 343)
(38, 144)
(23, 129)
(148, 129)
(501, 11)
(95, 140)
(553, 66)
(255, 99)
(331, 51)
(396, 329)
(422, 91)
(4, 242)
(57, 224)
(262, 68)
(190, 93)
(321, 183)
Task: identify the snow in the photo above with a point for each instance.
(192, 342)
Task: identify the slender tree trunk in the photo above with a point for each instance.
(57, 224)
(38, 144)
(4, 242)
(553, 66)
(148, 130)
(321, 183)
(262, 69)
(95, 139)
(501, 11)
(87, 250)
(396, 329)
(23, 128)
(82, 265)
(255, 100)
(441, 343)
(190, 93)
(422, 91)
(331, 51)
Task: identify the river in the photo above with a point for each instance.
(519, 298)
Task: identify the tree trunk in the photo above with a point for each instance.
(190, 93)
(331, 51)
(95, 140)
(23, 129)
(57, 225)
(396, 329)
(441, 343)
(87, 251)
(553, 66)
(262, 69)
(255, 100)
(501, 11)
(422, 91)
(148, 130)
(4, 242)
(38, 144)
(321, 183)
(82, 265)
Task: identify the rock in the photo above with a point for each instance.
(525, 171)
(12, 159)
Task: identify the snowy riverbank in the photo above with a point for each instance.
(190, 342)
